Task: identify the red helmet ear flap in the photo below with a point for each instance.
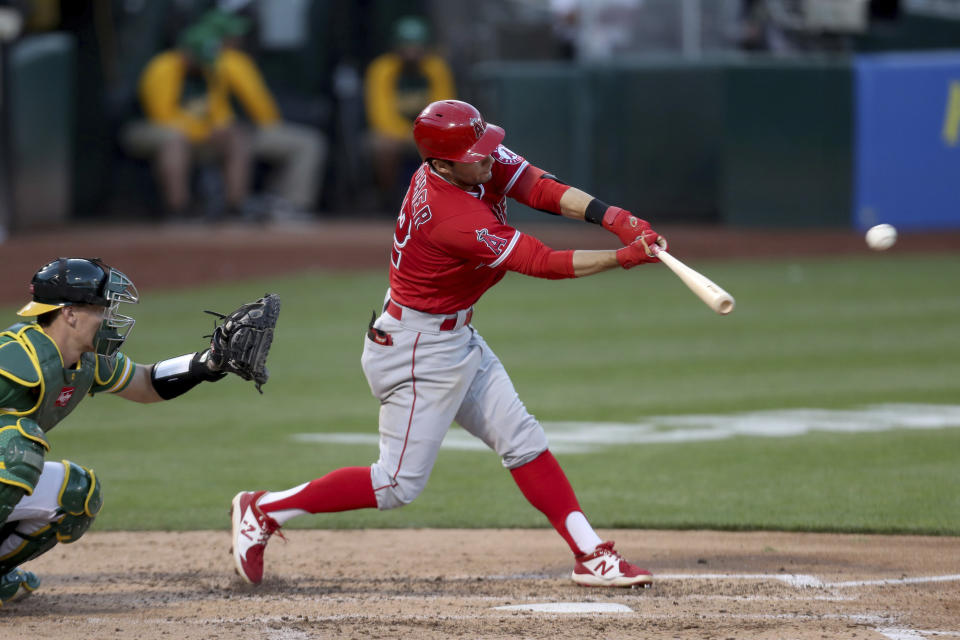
(454, 130)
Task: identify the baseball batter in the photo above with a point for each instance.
(427, 364)
(46, 368)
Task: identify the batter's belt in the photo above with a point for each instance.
(430, 322)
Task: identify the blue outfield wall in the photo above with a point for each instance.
(907, 140)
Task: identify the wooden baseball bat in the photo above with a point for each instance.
(706, 289)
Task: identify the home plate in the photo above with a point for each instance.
(570, 607)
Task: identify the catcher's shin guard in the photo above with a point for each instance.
(22, 448)
(80, 500)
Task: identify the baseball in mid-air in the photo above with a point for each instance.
(881, 236)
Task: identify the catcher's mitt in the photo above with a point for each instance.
(241, 342)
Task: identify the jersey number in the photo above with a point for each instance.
(406, 224)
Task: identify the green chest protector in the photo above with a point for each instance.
(43, 389)
(38, 392)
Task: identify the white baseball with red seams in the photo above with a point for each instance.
(881, 237)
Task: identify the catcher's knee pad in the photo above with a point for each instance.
(22, 448)
(80, 500)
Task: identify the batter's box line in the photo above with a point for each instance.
(874, 623)
(804, 580)
(894, 633)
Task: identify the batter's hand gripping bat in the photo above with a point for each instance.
(706, 289)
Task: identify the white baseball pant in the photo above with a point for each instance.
(427, 379)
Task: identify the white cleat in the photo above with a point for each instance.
(252, 529)
(607, 568)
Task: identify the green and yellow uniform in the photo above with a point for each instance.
(36, 392)
(35, 384)
(396, 91)
(198, 105)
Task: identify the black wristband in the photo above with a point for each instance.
(175, 376)
(595, 211)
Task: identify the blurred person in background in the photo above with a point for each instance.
(188, 95)
(295, 153)
(185, 97)
(398, 85)
(595, 29)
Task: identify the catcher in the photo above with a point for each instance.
(71, 350)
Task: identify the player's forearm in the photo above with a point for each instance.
(174, 377)
(587, 263)
(140, 388)
(533, 258)
(573, 203)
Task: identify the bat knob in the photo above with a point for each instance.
(657, 247)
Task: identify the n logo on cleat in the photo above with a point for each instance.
(603, 568)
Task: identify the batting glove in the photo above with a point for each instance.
(624, 224)
(643, 250)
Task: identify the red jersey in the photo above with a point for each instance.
(450, 245)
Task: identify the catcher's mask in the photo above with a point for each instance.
(68, 281)
(454, 130)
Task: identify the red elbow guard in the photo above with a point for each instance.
(558, 264)
(533, 258)
(533, 190)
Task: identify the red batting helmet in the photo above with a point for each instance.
(454, 130)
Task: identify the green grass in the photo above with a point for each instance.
(838, 333)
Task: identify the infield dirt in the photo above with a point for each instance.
(448, 583)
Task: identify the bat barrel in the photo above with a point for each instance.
(724, 305)
(706, 289)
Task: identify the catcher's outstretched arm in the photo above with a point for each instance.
(169, 378)
(141, 388)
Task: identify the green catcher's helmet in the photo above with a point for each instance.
(68, 281)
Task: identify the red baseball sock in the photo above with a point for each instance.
(341, 490)
(546, 487)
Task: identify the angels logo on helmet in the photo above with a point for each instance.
(479, 127)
